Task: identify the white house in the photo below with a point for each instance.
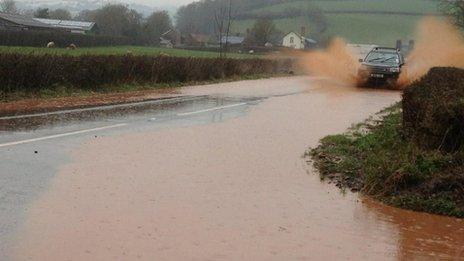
(296, 41)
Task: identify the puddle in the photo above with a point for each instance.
(160, 109)
(235, 190)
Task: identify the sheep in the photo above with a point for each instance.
(51, 45)
(72, 47)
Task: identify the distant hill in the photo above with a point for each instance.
(362, 21)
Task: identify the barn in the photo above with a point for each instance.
(77, 27)
(15, 22)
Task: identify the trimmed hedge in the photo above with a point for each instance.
(61, 39)
(31, 73)
(433, 110)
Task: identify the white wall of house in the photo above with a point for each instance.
(293, 40)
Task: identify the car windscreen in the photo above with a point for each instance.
(383, 57)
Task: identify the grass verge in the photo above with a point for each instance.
(120, 50)
(375, 158)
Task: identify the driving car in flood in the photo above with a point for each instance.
(382, 66)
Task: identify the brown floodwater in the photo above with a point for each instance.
(235, 190)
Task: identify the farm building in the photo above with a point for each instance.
(15, 22)
(77, 27)
(233, 40)
(297, 41)
(198, 40)
(170, 38)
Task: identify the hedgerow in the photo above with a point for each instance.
(32, 73)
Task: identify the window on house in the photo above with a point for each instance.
(292, 39)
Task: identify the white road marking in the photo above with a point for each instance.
(61, 135)
(212, 109)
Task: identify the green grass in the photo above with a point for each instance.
(410, 6)
(375, 158)
(380, 29)
(119, 50)
(372, 28)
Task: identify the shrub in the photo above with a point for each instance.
(433, 110)
(32, 73)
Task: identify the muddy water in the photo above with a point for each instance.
(236, 190)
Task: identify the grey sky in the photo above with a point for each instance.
(163, 2)
(153, 3)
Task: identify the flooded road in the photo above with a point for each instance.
(219, 178)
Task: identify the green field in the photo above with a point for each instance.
(373, 29)
(410, 6)
(381, 29)
(120, 50)
(284, 25)
(369, 28)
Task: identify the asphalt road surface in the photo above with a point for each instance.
(216, 174)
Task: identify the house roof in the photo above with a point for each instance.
(232, 39)
(67, 24)
(168, 32)
(23, 20)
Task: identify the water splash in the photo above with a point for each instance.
(438, 43)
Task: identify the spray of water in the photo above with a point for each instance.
(438, 43)
(336, 62)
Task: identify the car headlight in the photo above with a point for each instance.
(394, 69)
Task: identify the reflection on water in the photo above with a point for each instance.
(421, 235)
(165, 109)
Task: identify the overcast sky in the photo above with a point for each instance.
(164, 2)
(153, 3)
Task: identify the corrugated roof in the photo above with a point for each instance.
(23, 20)
(67, 24)
(233, 39)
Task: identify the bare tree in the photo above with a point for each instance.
(223, 21)
(42, 13)
(8, 6)
(262, 31)
(155, 25)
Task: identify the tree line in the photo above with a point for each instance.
(112, 20)
(200, 17)
(209, 17)
(204, 17)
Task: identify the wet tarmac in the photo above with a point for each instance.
(216, 174)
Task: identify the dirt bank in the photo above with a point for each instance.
(54, 104)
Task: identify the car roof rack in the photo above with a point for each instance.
(386, 48)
